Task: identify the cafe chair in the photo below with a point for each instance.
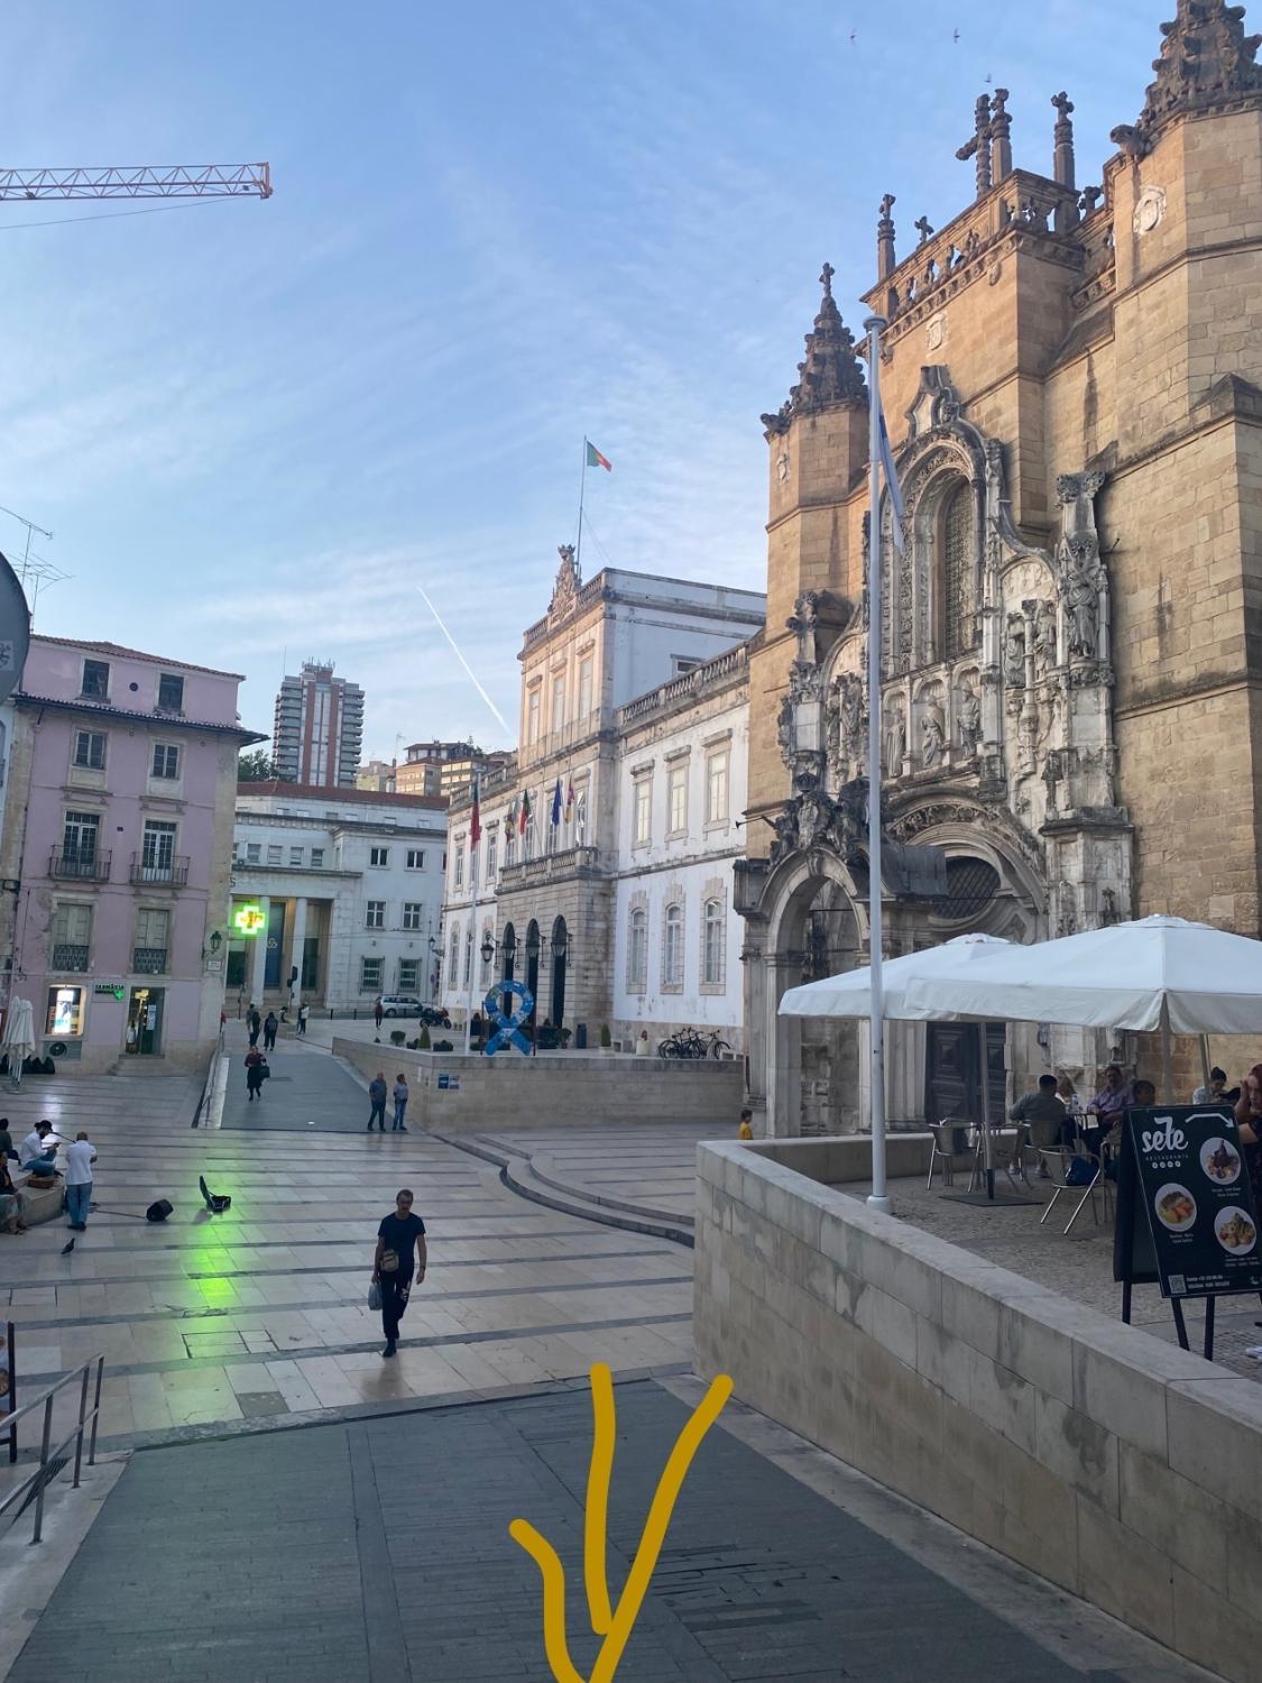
(1057, 1163)
(949, 1143)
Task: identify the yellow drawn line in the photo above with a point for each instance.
(615, 1629)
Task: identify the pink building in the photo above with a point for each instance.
(116, 851)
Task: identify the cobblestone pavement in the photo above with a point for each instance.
(378, 1549)
(212, 1322)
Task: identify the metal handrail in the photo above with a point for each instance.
(40, 1478)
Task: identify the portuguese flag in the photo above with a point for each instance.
(595, 459)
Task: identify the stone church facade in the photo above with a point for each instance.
(1072, 381)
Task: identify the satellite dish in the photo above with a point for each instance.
(15, 630)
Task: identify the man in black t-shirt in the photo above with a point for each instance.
(399, 1234)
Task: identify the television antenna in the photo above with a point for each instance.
(34, 571)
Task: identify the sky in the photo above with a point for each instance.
(255, 428)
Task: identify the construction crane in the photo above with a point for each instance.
(146, 181)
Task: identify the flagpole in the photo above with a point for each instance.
(472, 950)
(582, 490)
(878, 1198)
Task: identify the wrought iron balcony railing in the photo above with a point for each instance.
(168, 873)
(78, 866)
(149, 961)
(68, 957)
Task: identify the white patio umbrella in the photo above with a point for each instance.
(847, 995)
(1160, 973)
(18, 1040)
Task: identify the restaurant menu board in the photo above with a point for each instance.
(1187, 1168)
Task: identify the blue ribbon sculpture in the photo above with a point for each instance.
(508, 1029)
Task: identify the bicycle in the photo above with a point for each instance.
(687, 1043)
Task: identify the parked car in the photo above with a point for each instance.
(400, 1005)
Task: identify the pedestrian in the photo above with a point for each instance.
(746, 1129)
(10, 1202)
(642, 1047)
(304, 1011)
(1067, 1093)
(378, 1011)
(1215, 1089)
(80, 1156)
(1249, 1118)
(39, 1150)
(6, 1140)
(255, 1022)
(256, 1073)
(1041, 1115)
(377, 1095)
(270, 1025)
(392, 1269)
(400, 1103)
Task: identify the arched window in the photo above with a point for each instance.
(453, 960)
(713, 943)
(673, 948)
(638, 951)
(956, 571)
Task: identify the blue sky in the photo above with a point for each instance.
(254, 427)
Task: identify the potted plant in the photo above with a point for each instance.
(398, 1036)
(423, 1042)
(606, 1039)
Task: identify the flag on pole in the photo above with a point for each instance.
(569, 799)
(475, 821)
(525, 811)
(556, 804)
(892, 486)
(595, 459)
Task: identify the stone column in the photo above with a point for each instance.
(260, 953)
(297, 939)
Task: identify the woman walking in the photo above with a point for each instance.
(256, 1073)
(400, 1103)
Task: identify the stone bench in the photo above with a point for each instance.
(40, 1203)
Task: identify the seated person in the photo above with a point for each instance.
(6, 1141)
(10, 1202)
(1042, 1116)
(39, 1150)
(1215, 1089)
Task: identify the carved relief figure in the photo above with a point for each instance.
(1044, 638)
(968, 712)
(1014, 653)
(784, 729)
(895, 741)
(1082, 601)
(932, 736)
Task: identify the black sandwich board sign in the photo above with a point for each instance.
(1197, 1233)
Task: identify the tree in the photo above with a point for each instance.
(255, 767)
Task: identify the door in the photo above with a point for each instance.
(952, 1074)
(144, 1022)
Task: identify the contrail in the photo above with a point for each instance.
(473, 679)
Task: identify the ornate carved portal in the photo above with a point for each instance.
(997, 741)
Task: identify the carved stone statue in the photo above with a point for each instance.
(932, 737)
(969, 714)
(1044, 638)
(895, 742)
(784, 729)
(1014, 653)
(1082, 602)
(851, 720)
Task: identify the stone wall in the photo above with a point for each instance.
(1119, 1467)
(559, 1089)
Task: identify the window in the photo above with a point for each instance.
(295, 855)
(71, 937)
(584, 686)
(510, 844)
(153, 935)
(253, 852)
(409, 975)
(370, 973)
(412, 914)
(453, 957)
(957, 571)
(558, 701)
(713, 944)
(157, 850)
(673, 948)
(65, 1012)
(528, 840)
(171, 693)
(468, 958)
(89, 749)
(273, 853)
(96, 680)
(492, 849)
(379, 856)
(580, 820)
(458, 869)
(638, 951)
(533, 701)
(375, 914)
(681, 665)
(416, 858)
(166, 760)
(677, 800)
(643, 811)
(716, 788)
(317, 858)
(79, 838)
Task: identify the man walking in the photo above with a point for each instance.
(400, 1096)
(304, 1011)
(255, 1023)
(378, 1012)
(392, 1267)
(377, 1096)
(270, 1025)
(80, 1156)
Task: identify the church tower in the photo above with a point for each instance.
(817, 451)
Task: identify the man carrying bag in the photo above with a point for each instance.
(400, 1235)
